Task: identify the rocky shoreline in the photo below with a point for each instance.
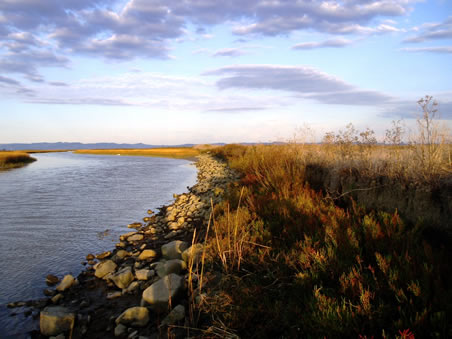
(138, 289)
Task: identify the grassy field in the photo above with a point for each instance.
(179, 153)
(14, 159)
(289, 261)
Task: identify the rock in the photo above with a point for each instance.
(147, 254)
(103, 255)
(123, 278)
(171, 266)
(173, 226)
(158, 295)
(121, 254)
(52, 280)
(55, 320)
(174, 249)
(134, 285)
(113, 295)
(120, 330)
(180, 221)
(55, 299)
(135, 225)
(170, 235)
(144, 274)
(125, 236)
(49, 293)
(66, 283)
(103, 268)
(194, 252)
(133, 335)
(135, 316)
(150, 212)
(90, 257)
(135, 237)
(177, 314)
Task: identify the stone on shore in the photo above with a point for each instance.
(103, 255)
(134, 285)
(135, 237)
(193, 253)
(121, 254)
(52, 280)
(159, 294)
(135, 225)
(134, 316)
(144, 274)
(177, 314)
(123, 278)
(147, 254)
(103, 268)
(55, 320)
(165, 268)
(174, 249)
(120, 330)
(66, 283)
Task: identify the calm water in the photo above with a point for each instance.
(58, 209)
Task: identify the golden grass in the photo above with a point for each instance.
(170, 152)
(13, 159)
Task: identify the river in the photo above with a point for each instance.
(58, 209)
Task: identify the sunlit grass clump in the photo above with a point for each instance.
(14, 159)
(176, 152)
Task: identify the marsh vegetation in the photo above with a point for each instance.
(170, 152)
(12, 159)
(296, 251)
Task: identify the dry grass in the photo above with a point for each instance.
(294, 264)
(14, 159)
(179, 153)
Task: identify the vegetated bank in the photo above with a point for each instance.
(13, 159)
(294, 261)
(169, 152)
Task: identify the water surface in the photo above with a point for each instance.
(58, 209)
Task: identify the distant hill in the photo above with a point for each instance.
(77, 145)
(44, 146)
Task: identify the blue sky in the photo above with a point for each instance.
(200, 71)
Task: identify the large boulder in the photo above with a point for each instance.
(123, 278)
(174, 249)
(54, 320)
(134, 316)
(66, 283)
(103, 268)
(159, 294)
(171, 266)
(147, 254)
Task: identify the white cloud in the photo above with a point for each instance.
(334, 43)
(440, 50)
(306, 82)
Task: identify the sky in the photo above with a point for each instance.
(206, 71)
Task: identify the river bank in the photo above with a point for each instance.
(147, 259)
(10, 160)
